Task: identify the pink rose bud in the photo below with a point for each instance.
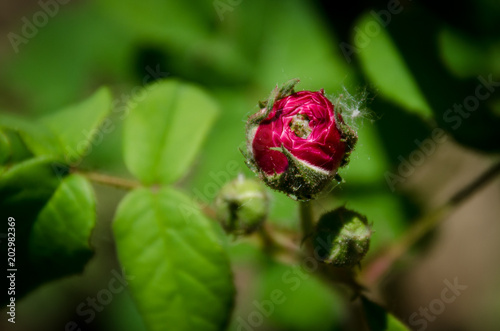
(297, 142)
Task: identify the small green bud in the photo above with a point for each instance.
(342, 237)
(241, 205)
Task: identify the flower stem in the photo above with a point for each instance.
(332, 274)
(118, 182)
(268, 242)
(422, 226)
(306, 218)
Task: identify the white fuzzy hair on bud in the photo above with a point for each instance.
(353, 107)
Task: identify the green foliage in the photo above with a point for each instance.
(5, 148)
(192, 286)
(164, 131)
(475, 126)
(36, 137)
(460, 51)
(25, 189)
(181, 25)
(385, 67)
(55, 213)
(15, 149)
(305, 303)
(74, 126)
(318, 64)
(180, 273)
(67, 134)
(123, 315)
(67, 58)
(59, 242)
(27, 186)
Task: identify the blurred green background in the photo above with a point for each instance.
(409, 61)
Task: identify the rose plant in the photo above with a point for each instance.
(133, 209)
(296, 143)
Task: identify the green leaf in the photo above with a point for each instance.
(25, 189)
(88, 57)
(66, 134)
(5, 150)
(215, 60)
(379, 319)
(164, 131)
(122, 314)
(305, 303)
(386, 68)
(18, 152)
(54, 216)
(316, 59)
(59, 241)
(74, 126)
(37, 138)
(180, 275)
(458, 108)
(27, 186)
(171, 22)
(220, 157)
(394, 324)
(461, 53)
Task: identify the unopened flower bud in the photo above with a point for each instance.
(241, 205)
(342, 237)
(297, 142)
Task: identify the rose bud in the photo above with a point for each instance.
(297, 142)
(342, 237)
(241, 205)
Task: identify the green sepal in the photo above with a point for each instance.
(300, 181)
(254, 121)
(349, 136)
(278, 93)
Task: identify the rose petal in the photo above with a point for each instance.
(321, 148)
